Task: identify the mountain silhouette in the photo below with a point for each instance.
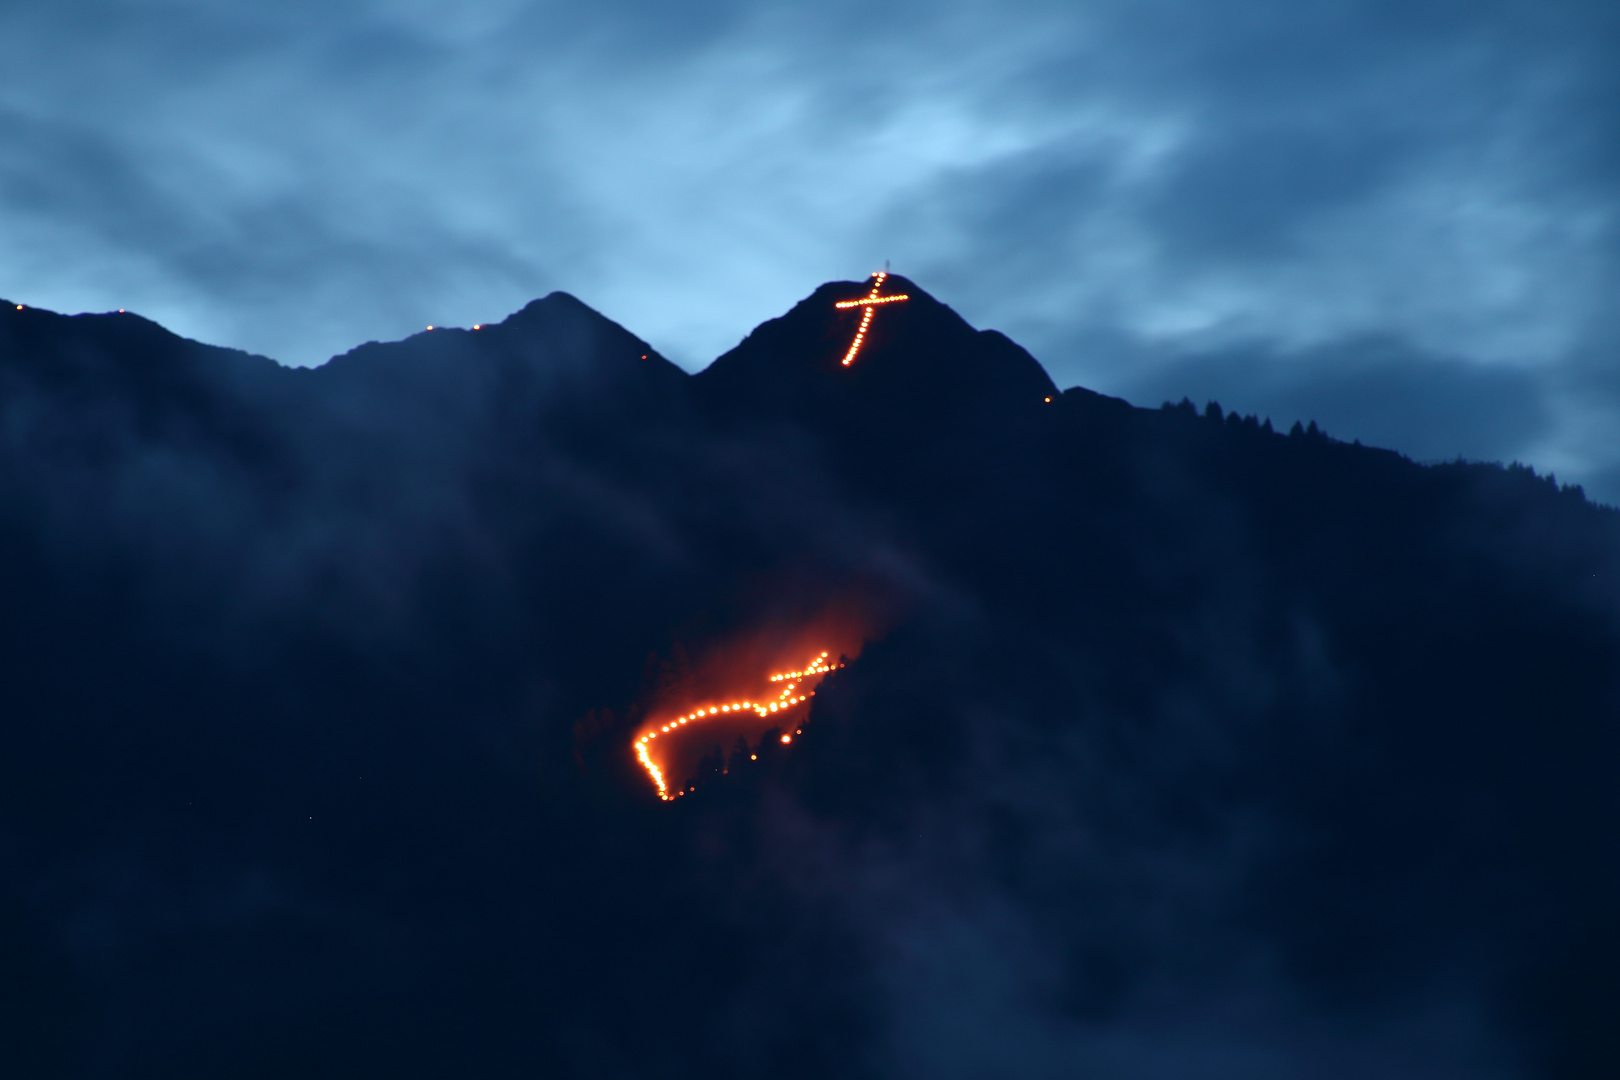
(1177, 746)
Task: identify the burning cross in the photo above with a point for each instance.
(870, 303)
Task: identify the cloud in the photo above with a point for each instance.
(299, 178)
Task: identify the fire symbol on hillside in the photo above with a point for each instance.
(795, 692)
(870, 302)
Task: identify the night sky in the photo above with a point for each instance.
(1397, 219)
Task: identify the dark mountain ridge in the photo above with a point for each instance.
(1183, 747)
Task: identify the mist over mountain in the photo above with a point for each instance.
(1177, 747)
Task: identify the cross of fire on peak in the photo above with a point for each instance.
(870, 302)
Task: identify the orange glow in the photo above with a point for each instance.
(791, 696)
(871, 300)
(870, 303)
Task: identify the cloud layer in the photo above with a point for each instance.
(1397, 219)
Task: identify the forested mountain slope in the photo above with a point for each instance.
(1168, 745)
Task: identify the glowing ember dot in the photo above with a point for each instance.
(430, 327)
(753, 757)
(787, 738)
(478, 326)
(1048, 399)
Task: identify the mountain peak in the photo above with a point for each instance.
(556, 305)
(915, 355)
(554, 345)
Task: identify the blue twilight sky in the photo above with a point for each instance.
(1397, 218)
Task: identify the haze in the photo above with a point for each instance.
(1398, 220)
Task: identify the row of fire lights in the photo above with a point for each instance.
(820, 665)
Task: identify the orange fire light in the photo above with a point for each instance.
(791, 696)
(870, 302)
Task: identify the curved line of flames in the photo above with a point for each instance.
(818, 666)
